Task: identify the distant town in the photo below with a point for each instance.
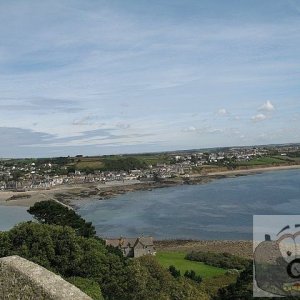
(45, 173)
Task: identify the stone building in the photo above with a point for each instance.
(133, 247)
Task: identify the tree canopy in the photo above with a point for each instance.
(76, 258)
(123, 164)
(51, 212)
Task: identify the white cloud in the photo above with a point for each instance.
(258, 118)
(222, 112)
(190, 129)
(215, 130)
(267, 106)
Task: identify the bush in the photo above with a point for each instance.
(88, 286)
(192, 275)
(220, 260)
(242, 289)
(174, 272)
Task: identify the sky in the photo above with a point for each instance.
(105, 77)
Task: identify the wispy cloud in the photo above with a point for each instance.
(141, 71)
(39, 105)
(258, 118)
(222, 112)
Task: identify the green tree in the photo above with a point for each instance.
(123, 164)
(51, 212)
(89, 286)
(174, 272)
(61, 250)
(241, 290)
(192, 275)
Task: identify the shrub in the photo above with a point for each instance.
(88, 286)
(220, 260)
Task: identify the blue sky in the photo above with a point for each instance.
(101, 77)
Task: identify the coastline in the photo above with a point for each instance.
(70, 194)
(255, 170)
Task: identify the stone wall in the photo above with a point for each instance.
(25, 280)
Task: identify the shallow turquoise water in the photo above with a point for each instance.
(221, 209)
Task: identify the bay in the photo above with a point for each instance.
(12, 215)
(221, 209)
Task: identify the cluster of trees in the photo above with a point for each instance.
(51, 212)
(242, 289)
(123, 164)
(220, 260)
(174, 272)
(192, 275)
(187, 274)
(84, 260)
(87, 263)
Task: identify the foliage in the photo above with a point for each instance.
(265, 160)
(220, 260)
(192, 275)
(123, 164)
(174, 272)
(186, 289)
(71, 169)
(213, 284)
(295, 154)
(61, 250)
(88, 286)
(177, 259)
(242, 289)
(56, 248)
(16, 175)
(151, 281)
(51, 212)
(115, 250)
(61, 161)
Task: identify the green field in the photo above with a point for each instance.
(176, 259)
(99, 162)
(90, 164)
(267, 160)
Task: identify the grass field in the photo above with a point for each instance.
(168, 258)
(97, 162)
(267, 160)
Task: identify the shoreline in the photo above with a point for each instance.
(71, 194)
(255, 170)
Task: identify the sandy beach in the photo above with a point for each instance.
(59, 193)
(67, 193)
(255, 170)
